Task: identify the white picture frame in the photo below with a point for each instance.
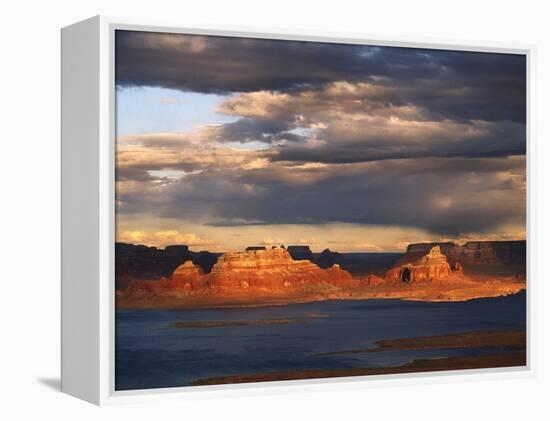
(88, 217)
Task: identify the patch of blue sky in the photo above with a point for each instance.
(303, 131)
(252, 145)
(172, 174)
(142, 110)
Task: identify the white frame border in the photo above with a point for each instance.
(107, 394)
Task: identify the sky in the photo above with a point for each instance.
(224, 143)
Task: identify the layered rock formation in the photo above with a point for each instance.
(472, 253)
(189, 276)
(138, 262)
(373, 280)
(269, 271)
(259, 272)
(272, 276)
(432, 267)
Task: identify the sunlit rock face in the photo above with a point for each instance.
(271, 270)
(432, 267)
(148, 288)
(372, 280)
(189, 276)
(256, 272)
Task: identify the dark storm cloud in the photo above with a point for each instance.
(470, 86)
(504, 139)
(223, 64)
(449, 84)
(447, 196)
(451, 205)
(255, 129)
(355, 122)
(425, 195)
(369, 135)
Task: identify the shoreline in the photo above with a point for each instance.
(424, 293)
(514, 341)
(495, 360)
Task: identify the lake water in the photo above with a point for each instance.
(151, 354)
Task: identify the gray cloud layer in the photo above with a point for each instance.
(451, 84)
(388, 136)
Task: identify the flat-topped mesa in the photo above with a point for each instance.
(300, 252)
(432, 267)
(271, 270)
(177, 250)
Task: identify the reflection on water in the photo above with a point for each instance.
(151, 354)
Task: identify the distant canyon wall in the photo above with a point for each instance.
(472, 253)
(139, 262)
(431, 267)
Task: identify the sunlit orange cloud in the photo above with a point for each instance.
(337, 237)
(354, 110)
(165, 238)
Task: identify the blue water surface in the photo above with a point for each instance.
(151, 354)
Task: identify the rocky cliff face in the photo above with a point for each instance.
(268, 271)
(259, 272)
(138, 262)
(432, 267)
(273, 277)
(472, 253)
(189, 276)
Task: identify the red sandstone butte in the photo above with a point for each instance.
(433, 267)
(257, 276)
(373, 280)
(253, 272)
(268, 271)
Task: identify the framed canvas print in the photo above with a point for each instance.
(245, 208)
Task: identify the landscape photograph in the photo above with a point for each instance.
(290, 210)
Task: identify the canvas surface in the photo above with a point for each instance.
(293, 210)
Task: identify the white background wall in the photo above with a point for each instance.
(29, 242)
